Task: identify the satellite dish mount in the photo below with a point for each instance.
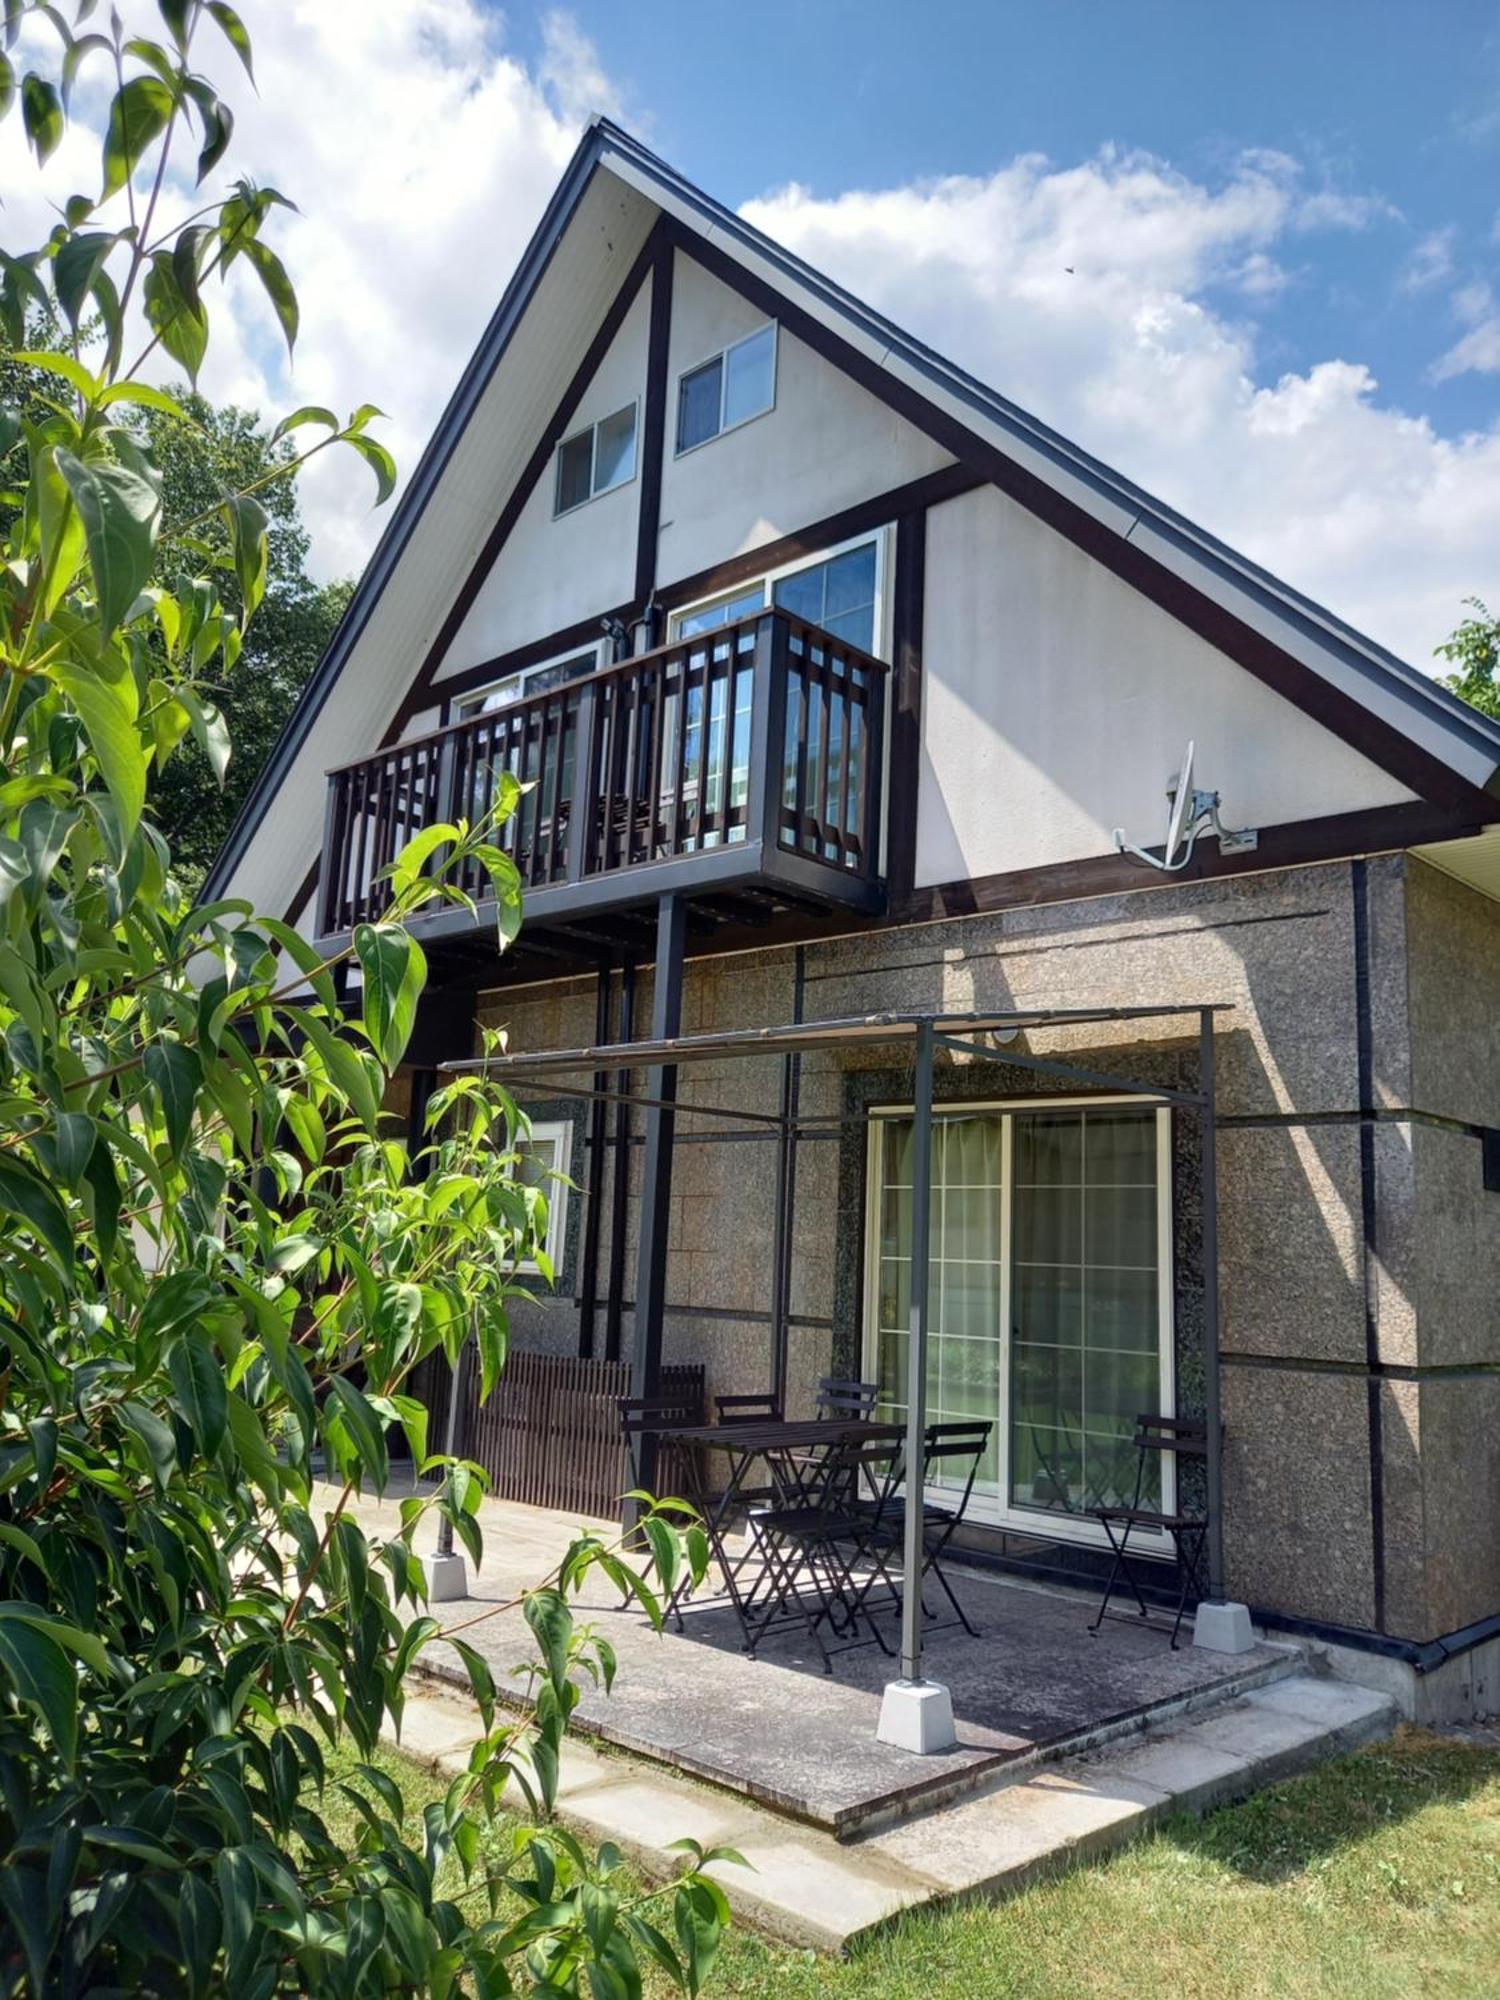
(1190, 813)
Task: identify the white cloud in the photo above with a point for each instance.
(1366, 507)
(1430, 262)
(1476, 352)
(420, 152)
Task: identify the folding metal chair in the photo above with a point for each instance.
(1188, 1532)
(813, 1549)
(959, 1445)
(846, 1399)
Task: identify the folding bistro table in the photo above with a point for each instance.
(794, 1453)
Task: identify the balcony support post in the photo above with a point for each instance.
(585, 786)
(767, 734)
(656, 1178)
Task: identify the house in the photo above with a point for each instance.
(834, 673)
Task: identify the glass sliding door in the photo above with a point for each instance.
(1049, 1295)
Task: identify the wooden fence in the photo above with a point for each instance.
(549, 1435)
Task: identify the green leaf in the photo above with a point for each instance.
(137, 116)
(551, 1623)
(699, 1914)
(247, 523)
(362, 1428)
(180, 322)
(210, 730)
(346, 1070)
(234, 32)
(30, 1198)
(177, 1073)
(121, 510)
(75, 267)
(380, 462)
(395, 971)
(310, 413)
(278, 286)
(42, 1677)
(201, 1395)
(110, 723)
(42, 115)
(157, 1440)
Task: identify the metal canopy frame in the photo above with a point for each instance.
(988, 1036)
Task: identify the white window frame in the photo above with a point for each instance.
(560, 513)
(998, 1512)
(883, 538)
(466, 706)
(722, 354)
(559, 1130)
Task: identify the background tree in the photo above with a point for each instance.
(1473, 647)
(230, 450)
(218, 1268)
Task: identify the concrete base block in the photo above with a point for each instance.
(447, 1578)
(917, 1715)
(1223, 1628)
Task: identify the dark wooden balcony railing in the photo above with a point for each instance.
(753, 749)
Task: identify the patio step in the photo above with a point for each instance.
(806, 1888)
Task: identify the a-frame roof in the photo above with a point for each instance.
(612, 195)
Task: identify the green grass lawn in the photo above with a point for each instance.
(1377, 1875)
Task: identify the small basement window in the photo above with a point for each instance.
(544, 1164)
(728, 390)
(595, 460)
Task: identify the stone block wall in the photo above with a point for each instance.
(1357, 1057)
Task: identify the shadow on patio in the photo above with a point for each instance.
(1032, 1686)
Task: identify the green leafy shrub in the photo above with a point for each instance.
(218, 1269)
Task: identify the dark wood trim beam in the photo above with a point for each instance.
(417, 695)
(1376, 830)
(654, 426)
(904, 781)
(1348, 718)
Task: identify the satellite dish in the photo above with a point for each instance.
(1189, 814)
(1180, 793)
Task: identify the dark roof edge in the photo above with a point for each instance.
(412, 503)
(1321, 626)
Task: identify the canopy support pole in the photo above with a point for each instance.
(656, 1178)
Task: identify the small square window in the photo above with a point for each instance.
(614, 453)
(596, 460)
(575, 468)
(698, 404)
(727, 390)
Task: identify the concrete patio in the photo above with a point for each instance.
(1033, 1688)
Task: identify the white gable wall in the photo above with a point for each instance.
(827, 444)
(556, 572)
(1057, 702)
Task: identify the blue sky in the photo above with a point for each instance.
(1397, 102)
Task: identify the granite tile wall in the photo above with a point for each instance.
(1340, 1237)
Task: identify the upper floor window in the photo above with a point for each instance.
(595, 460)
(540, 679)
(727, 390)
(840, 591)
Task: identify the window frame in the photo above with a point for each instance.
(465, 707)
(722, 355)
(559, 512)
(883, 538)
(559, 1130)
(999, 1512)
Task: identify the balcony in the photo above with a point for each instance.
(741, 768)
